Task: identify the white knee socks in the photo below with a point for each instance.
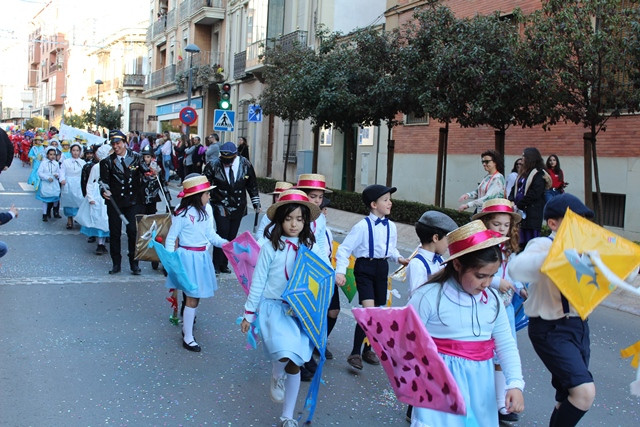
(187, 323)
(501, 384)
(291, 388)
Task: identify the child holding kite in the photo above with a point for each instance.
(192, 224)
(468, 322)
(558, 334)
(498, 215)
(282, 334)
(372, 241)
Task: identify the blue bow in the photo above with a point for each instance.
(384, 221)
(437, 258)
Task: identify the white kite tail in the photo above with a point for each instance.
(610, 275)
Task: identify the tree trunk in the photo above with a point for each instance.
(588, 185)
(499, 146)
(316, 149)
(270, 146)
(391, 144)
(441, 167)
(286, 156)
(596, 175)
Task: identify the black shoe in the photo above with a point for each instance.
(409, 413)
(115, 269)
(91, 239)
(327, 354)
(99, 250)
(56, 213)
(136, 271)
(195, 347)
(225, 270)
(511, 417)
(45, 218)
(154, 265)
(305, 374)
(311, 366)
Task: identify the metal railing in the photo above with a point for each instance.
(171, 18)
(135, 80)
(254, 50)
(161, 77)
(205, 57)
(288, 40)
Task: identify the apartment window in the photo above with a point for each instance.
(613, 208)
(412, 119)
(293, 147)
(365, 136)
(136, 116)
(326, 136)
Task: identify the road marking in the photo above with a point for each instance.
(83, 280)
(18, 194)
(1, 187)
(26, 187)
(40, 233)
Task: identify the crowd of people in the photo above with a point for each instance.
(463, 280)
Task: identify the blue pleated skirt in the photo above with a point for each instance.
(199, 268)
(476, 382)
(282, 333)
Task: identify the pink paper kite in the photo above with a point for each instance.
(410, 358)
(242, 253)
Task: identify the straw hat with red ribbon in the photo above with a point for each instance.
(494, 206)
(293, 196)
(280, 187)
(472, 237)
(195, 185)
(312, 181)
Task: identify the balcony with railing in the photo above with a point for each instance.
(160, 78)
(206, 12)
(135, 81)
(171, 19)
(254, 50)
(288, 41)
(204, 57)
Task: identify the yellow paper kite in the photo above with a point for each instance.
(570, 267)
(633, 350)
(349, 288)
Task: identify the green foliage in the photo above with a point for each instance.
(75, 120)
(403, 211)
(204, 76)
(37, 122)
(110, 117)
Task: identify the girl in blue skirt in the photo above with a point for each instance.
(193, 227)
(285, 342)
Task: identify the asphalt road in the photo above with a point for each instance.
(82, 348)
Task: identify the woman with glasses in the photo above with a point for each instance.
(492, 185)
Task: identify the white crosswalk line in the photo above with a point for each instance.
(26, 187)
(1, 187)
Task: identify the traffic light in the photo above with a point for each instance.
(225, 97)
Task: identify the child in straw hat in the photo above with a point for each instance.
(468, 322)
(286, 343)
(264, 221)
(499, 215)
(193, 226)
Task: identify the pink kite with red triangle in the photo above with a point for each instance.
(409, 356)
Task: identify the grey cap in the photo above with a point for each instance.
(438, 220)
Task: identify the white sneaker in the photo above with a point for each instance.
(277, 389)
(287, 422)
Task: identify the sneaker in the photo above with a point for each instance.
(287, 422)
(511, 417)
(277, 389)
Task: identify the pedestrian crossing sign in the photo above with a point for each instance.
(224, 120)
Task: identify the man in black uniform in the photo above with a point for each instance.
(233, 176)
(120, 181)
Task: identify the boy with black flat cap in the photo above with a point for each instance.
(372, 241)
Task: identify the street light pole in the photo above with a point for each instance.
(98, 82)
(64, 98)
(191, 48)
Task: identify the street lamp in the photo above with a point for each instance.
(191, 48)
(64, 98)
(98, 82)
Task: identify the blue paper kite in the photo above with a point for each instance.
(309, 293)
(521, 319)
(173, 266)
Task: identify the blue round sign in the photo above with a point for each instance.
(188, 116)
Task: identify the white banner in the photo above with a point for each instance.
(70, 133)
